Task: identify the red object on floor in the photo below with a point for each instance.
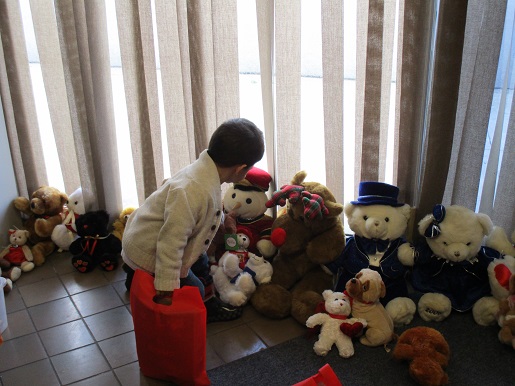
(170, 340)
(324, 377)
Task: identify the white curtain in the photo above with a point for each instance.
(420, 105)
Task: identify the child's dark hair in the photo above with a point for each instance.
(236, 142)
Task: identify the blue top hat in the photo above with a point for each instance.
(377, 193)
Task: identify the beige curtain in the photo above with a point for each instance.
(439, 58)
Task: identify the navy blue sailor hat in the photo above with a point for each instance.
(377, 193)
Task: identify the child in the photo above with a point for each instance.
(168, 235)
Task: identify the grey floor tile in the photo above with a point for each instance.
(62, 263)
(79, 364)
(104, 379)
(38, 373)
(65, 337)
(19, 324)
(53, 313)
(14, 301)
(42, 291)
(273, 332)
(110, 323)
(236, 343)
(76, 282)
(43, 272)
(212, 358)
(130, 375)
(96, 300)
(21, 351)
(120, 350)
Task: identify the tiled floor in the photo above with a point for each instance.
(70, 328)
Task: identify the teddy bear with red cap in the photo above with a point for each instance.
(247, 199)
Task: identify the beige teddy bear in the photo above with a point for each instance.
(338, 308)
(18, 254)
(42, 214)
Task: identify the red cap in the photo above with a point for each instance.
(259, 178)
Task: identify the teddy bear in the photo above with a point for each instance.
(451, 264)
(247, 199)
(506, 315)
(366, 289)
(427, 352)
(66, 232)
(337, 308)
(379, 222)
(121, 221)
(308, 235)
(17, 254)
(239, 272)
(42, 213)
(498, 240)
(95, 245)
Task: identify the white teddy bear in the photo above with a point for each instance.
(247, 199)
(338, 308)
(451, 266)
(379, 223)
(239, 272)
(66, 232)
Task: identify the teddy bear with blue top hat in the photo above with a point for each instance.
(379, 223)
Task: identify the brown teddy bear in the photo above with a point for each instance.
(506, 316)
(43, 212)
(310, 233)
(428, 353)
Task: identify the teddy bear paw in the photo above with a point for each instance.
(320, 350)
(15, 273)
(434, 307)
(237, 299)
(109, 264)
(82, 264)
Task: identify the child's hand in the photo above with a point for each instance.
(163, 297)
(230, 220)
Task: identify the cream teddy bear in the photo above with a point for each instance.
(18, 253)
(451, 267)
(239, 272)
(66, 233)
(338, 308)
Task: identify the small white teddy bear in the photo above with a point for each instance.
(338, 308)
(66, 232)
(239, 272)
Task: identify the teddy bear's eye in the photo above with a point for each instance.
(248, 201)
(365, 288)
(468, 244)
(76, 202)
(365, 218)
(386, 219)
(445, 243)
(233, 195)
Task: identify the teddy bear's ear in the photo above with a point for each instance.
(335, 209)
(406, 211)
(485, 222)
(348, 208)
(383, 290)
(424, 223)
(298, 178)
(326, 294)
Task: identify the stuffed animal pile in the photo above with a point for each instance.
(42, 214)
(337, 308)
(95, 245)
(239, 272)
(309, 234)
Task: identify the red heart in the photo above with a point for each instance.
(351, 330)
(502, 274)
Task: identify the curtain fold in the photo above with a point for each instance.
(425, 76)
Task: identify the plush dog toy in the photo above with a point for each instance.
(18, 254)
(506, 316)
(308, 234)
(95, 245)
(451, 266)
(366, 290)
(428, 353)
(42, 213)
(338, 308)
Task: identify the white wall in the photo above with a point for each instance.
(9, 216)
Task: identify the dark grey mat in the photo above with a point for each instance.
(477, 358)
